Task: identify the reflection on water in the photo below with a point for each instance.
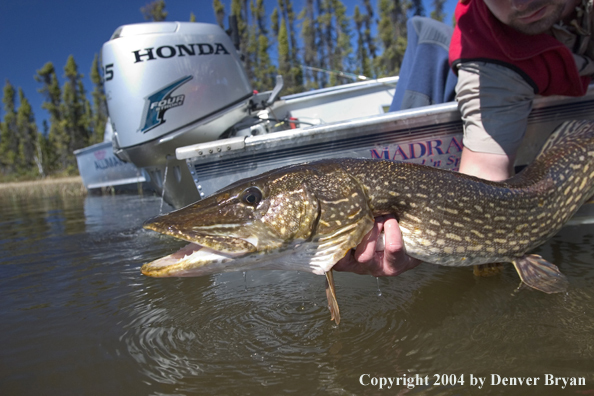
(79, 318)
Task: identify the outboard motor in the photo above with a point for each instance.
(171, 84)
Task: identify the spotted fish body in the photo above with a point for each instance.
(307, 217)
(456, 220)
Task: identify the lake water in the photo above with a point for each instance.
(77, 317)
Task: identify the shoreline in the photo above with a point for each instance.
(71, 186)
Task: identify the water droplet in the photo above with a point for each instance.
(163, 186)
(379, 292)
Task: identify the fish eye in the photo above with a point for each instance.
(251, 196)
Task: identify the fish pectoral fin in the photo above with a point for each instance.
(539, 274)
(331, 246)
(331, 294)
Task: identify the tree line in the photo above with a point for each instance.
(321, 45)
(74, 122)
(317, 47)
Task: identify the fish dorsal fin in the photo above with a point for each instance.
(539, 274)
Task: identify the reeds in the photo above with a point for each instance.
(65, 186)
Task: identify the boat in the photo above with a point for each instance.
(184, 112)
(100, 169)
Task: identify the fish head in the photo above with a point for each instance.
(249, 218)
(302, 217)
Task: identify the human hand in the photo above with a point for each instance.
(365, 260)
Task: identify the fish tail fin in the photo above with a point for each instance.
(539, 274)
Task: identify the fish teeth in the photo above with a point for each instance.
(253, 240)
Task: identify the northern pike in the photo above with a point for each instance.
(306, 217)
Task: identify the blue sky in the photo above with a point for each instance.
(33, 32)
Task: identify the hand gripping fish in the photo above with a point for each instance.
(306, 217)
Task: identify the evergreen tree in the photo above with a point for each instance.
(27, 132)
(291, 69)
(289, 15)
(309, 37)
(437, 12)
(341, 59)
(55, 152)
(40, 159)
(274, 22)
(275, 29)
(284, 62)
(334, 38)
(99, 111)
(237, 10)
(322, 56)
(325, 43)
(418, 8)
(251, 52)
(369, 39)
(76, 112)
(392, 35)
(219, 9)
(264, 71)
(47, 150)
(154, 11)
(259, 16)
(9, 136)
(362, 56)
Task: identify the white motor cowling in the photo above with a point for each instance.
(163, 77)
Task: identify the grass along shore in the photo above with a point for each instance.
(65, 186)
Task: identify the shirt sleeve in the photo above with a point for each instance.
(495, 102)
(584, 64)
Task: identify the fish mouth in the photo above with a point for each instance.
(190, 260)
(206, 254)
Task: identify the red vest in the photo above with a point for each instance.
(543, 61)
